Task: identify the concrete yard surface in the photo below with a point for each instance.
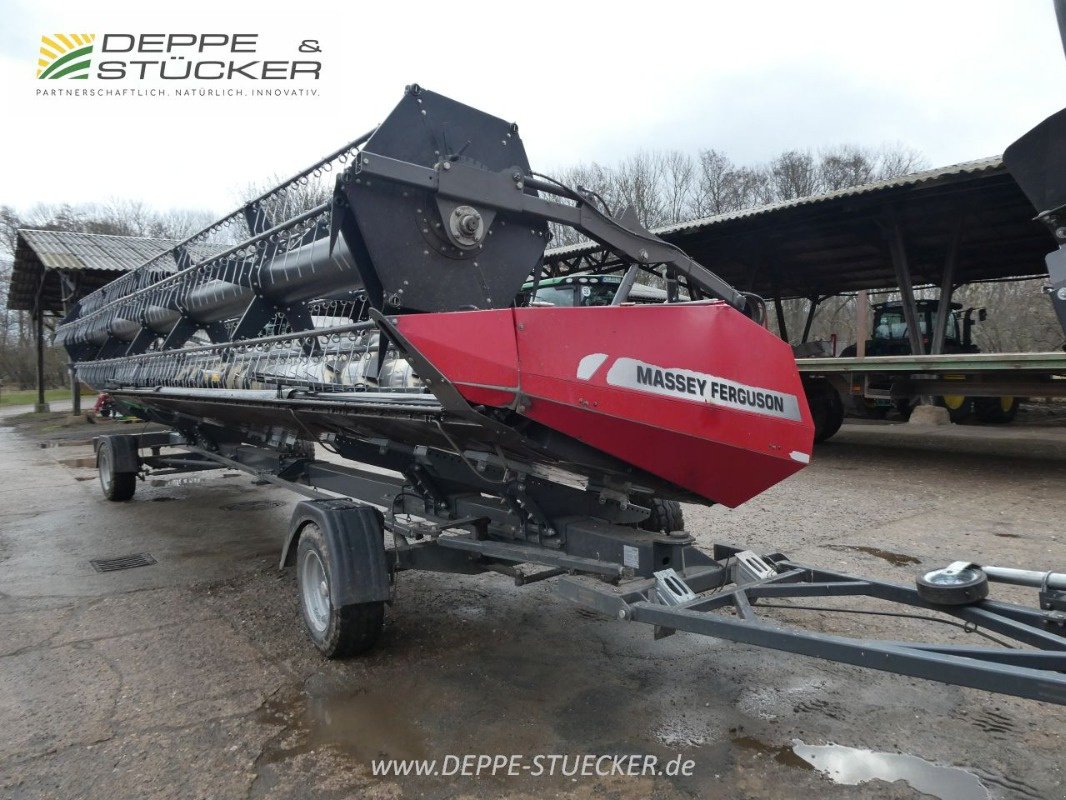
(192, 677)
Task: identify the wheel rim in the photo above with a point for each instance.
(314, 588)
(103, 462)
(954, 401)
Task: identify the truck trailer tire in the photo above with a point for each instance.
(116, 486)
(827, 409)
(336, 632)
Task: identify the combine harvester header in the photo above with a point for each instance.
(377, 317)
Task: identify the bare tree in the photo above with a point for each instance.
(794, 174)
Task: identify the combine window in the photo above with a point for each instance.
(595, 294)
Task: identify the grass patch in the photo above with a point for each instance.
(27, 397)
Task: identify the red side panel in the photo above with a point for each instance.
(694, 393)
(476, 350)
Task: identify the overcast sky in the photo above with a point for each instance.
(954, 79)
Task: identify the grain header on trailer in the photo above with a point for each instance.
(479, 434)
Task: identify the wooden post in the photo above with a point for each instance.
(75, 393)
(862, 322)
(41, 406)
(69, 288)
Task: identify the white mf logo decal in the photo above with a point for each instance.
(684, 384)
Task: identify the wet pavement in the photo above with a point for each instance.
(191, 677)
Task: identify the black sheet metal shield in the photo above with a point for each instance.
(1038, 162)
(417, 264)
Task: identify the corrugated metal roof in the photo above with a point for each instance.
(929, 176)
(90, 260)
(78, 251)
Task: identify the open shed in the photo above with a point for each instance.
(943, 227)
(55, 269)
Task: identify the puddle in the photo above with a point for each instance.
(65, 443)
(363, 724)
(1008, 535)
(851, 766)
(88, 462)
(163, 499)
(782, 755)
(895, 559)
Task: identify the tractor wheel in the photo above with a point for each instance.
(116, 486)
(995, 409)
(336, 632)
(666, 517)
(959, 406)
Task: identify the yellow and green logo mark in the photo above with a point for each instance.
(65, 55)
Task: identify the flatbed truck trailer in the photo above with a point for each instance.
(908, 379)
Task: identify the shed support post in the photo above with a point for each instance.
(862, 322)
(69, 290)
(75, 393)
(40, 406)
(779, 309)
(781, 326)
(810, 318)
(947, 287)
(898, 252)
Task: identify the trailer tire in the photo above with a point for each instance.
(666, 517)
(827, 409)
(996, 409)
(336, 632)
(971, 586)
(116, 486)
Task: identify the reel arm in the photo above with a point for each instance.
(506, 191)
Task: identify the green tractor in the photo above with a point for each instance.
(585, 290)
(890, 338)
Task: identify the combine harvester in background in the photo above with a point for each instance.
(481, 434)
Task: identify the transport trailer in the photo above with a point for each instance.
(984, 386)
(884, 373)
(470, 434)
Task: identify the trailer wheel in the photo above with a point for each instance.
(943, 588)
(336, 632)
(827, 409)
(666, 516)
(116, 486)
(996, 409)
